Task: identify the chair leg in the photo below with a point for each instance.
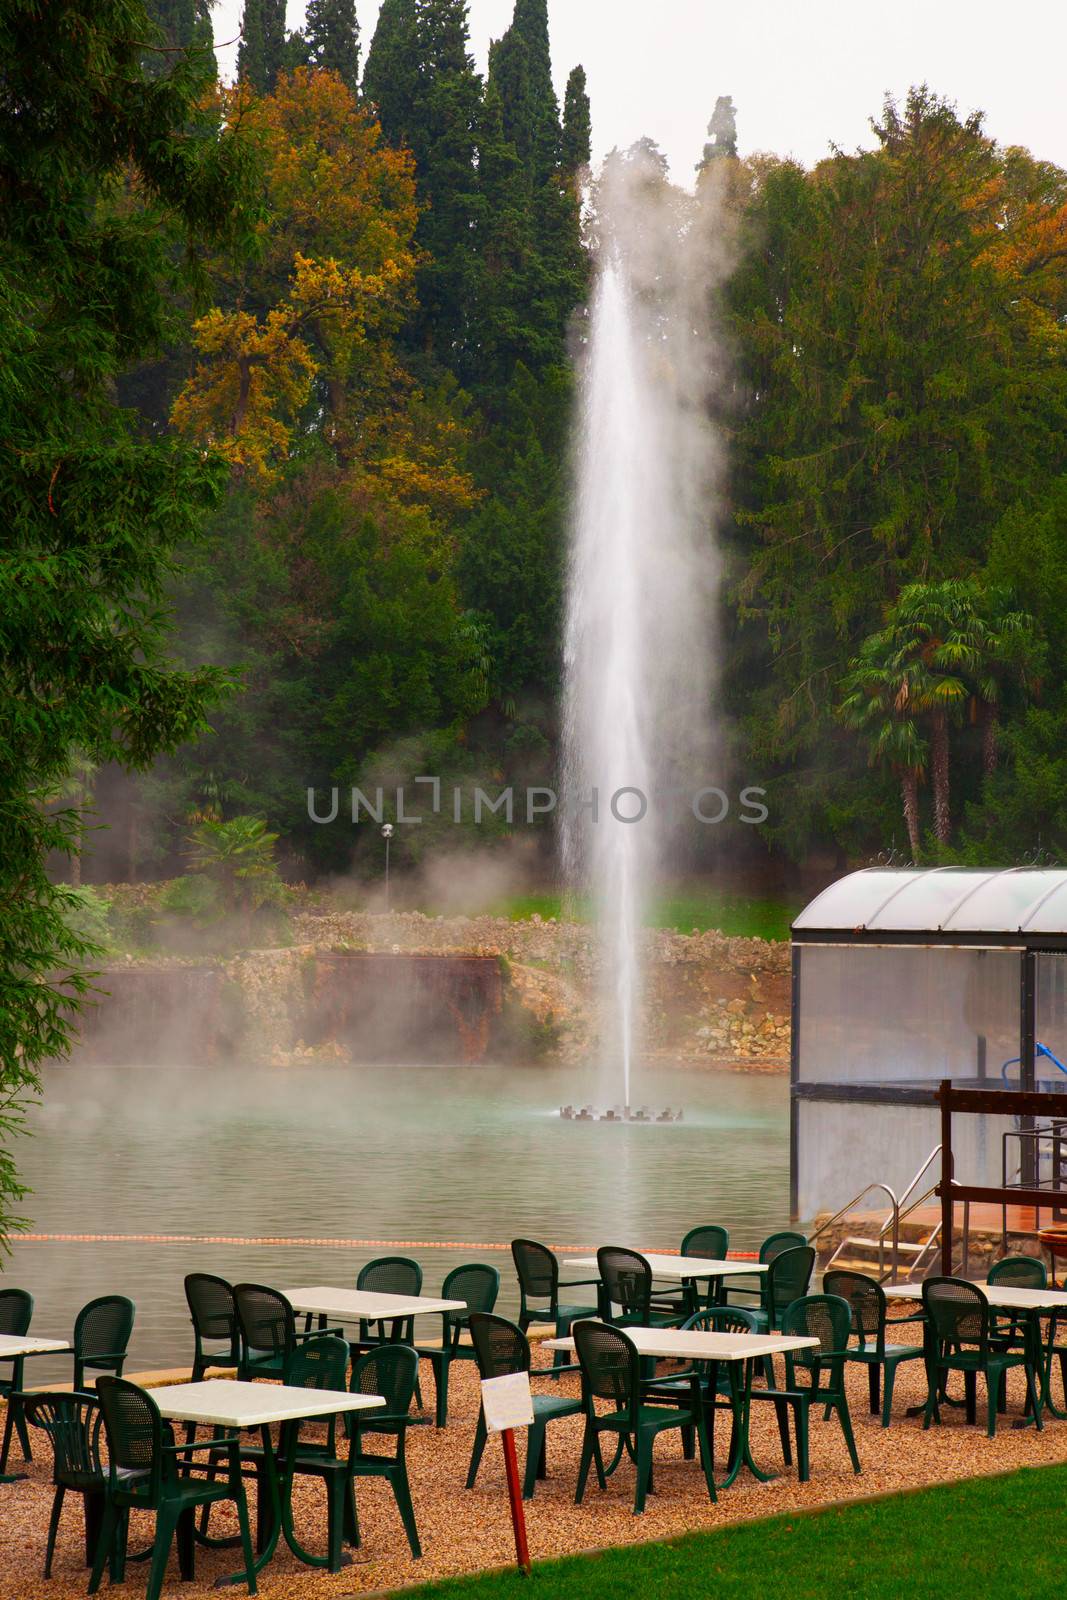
(440, 1372)
(874, 1375)
(706, 1458)
(104, 1545)
(186, 1545)
(644, 1471)
(241, 1502)
(1033, 1391)
(781, 1410)
(689, 1442)
(157, 1571)
(53, 1528)
(535, 1456)
(588, 1445)
(94, 1520)
(887, 1392)
(398, 1479)
(264, 1509)
(800, 1422)
(335, 1519)
(992, 1401)
(846, 1428)
(477, 1450)
(970, 1395)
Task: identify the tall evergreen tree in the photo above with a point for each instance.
(331, 39)
(722, 130)
(261, 54)
(522, 65)
(391, 76)
(577, 146)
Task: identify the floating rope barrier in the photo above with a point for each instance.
(329, 1244)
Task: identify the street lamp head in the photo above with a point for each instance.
(387, 830)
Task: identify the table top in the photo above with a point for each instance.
(689, 1344)
(355, 1305)
(1002, 1296)
(683, 1266)
(229, 1403)
(25, 1344)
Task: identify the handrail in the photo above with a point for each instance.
(931, 1158)
(894, 1218)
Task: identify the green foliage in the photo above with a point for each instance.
(87, 915)
(194, 895)
(92, 510)
(577, 145)
(261, 54)
(238, 858)
(331, 37)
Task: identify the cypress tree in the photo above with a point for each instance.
(523, 68)
(577, 123)
(262, 51)
(331, 38)
(181, 25)
(723, 133)
(391, 77)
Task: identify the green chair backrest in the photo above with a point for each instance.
(957, 1313)
(610, 1366)
(476, 1284)
(627, 1280)
(788, 1276)
(866, 1297)
(71, 1422)
(537, 1268)
(826, 1317)
(102, 1328)
(16, 1309)
(709, 1241)
(266, 1321)
(135, 1438)
(775, 1243)
(1018, 1272)
(319, 1363)
(722, 1319)
(500, 1347)
(211, 1307)
(391, 1275)
(390, 1370)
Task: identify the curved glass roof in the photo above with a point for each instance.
(1023, 900)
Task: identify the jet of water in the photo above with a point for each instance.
(642, 571)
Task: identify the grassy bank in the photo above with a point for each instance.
(996, 1536)
(739, 916)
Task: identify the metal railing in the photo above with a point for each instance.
(899, 1210)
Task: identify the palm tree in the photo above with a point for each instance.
(879, 702)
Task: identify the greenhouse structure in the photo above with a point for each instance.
(902, 978)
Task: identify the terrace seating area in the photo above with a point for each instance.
(654, 1387)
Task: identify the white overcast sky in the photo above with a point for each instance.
(803, 73)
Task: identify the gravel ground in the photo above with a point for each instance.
(465, 1531)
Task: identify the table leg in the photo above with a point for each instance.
(270, 1467)
(740, 1446)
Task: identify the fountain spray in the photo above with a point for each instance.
(638, 647)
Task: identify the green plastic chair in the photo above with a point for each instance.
(869, 1306)
(771, 1247)
(726, 1395)
(16, 1311)
(611, 1371)
(268, 1333)
(958, 1340)
(478, 1286)
(390, 1370)
(538, 1274)
(387, 1275)
(501, 1348)
(213, 1312)
(148, 1471)
(1012, 1330)
(815, 1377)
(102, 1332)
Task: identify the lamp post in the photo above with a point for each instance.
(387, 834)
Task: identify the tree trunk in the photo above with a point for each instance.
(939, 776)
(909, 788)
(990, 720)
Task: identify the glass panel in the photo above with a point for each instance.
(1050, 1069)
(841, 1148)
(1051, 916)
(906, 1014)
(851, 901)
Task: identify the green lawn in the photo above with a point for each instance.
(983, 1538)
(734, 914)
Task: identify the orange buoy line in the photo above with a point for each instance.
(331, 1244)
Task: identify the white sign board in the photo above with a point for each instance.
(507, 1402)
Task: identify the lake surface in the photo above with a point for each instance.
(465, 1155)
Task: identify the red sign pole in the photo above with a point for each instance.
(518, 1515)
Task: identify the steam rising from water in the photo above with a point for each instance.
(638, 652)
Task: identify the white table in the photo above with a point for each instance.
(682, 1267)
(234, 1405)
(1002, 1296)
(16, 1347)
(688, 1344)
(366, 1305)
